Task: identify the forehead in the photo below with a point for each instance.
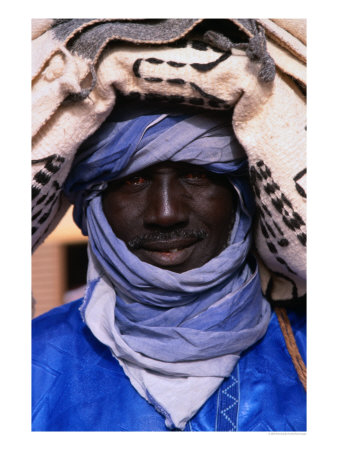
(174, 166)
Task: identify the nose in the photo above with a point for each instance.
(166, 206)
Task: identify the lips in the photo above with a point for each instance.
(169, 245)
(167, 253)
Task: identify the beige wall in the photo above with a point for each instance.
(49, 265)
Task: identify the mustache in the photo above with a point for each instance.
(139, 241)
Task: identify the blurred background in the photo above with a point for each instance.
(59, 267)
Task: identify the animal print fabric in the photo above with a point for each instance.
(81, 66)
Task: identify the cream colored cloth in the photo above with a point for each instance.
(269, 120)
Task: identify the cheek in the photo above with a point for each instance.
(122, 216)
(215, 208)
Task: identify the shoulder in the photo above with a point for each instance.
(62, 331)
(273, 345)
(58, 324)
(71, 371)
(272, 395)
(57, 317)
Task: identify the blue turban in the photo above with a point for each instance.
(171, 332)
(132, 139)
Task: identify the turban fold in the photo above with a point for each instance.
(132, 139)
(176, 335)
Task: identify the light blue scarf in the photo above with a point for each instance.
(176, 335)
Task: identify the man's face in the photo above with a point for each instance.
(176, 216)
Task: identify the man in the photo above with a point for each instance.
(174, 332)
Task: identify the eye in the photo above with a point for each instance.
(136, 181)
(195, 176)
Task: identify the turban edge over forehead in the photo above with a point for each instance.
(134, 138)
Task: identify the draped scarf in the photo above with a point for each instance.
(176, 335)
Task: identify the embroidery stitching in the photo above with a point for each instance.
(230, 403)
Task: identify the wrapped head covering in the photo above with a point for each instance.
(132, 139)
(176, 335)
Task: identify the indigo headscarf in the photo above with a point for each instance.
(176, 335)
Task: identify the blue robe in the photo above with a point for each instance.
(79, 386)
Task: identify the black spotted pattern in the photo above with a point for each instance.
(52, 164)
(201, 99)
(299, 188)
(261, 180)
(209, 66)
(269, 289)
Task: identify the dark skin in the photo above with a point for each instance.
(172, 215)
